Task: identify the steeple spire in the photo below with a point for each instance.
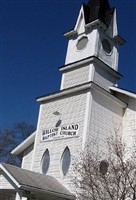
(98, 9)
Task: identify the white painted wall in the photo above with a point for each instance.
(106, 117)
(76, 76)
(93, 48)
(103, 78)
(129, 123)
(74, 55)
(4, 184)
(110, 59)
(72, 111)
(27, 158)
(85, 73)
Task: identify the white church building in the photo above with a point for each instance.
(89, 102)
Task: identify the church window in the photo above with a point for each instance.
(65, 161)
(106, 46)
(45, 161)
(81, 44)
(103, 167)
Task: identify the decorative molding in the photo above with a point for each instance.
(87, 60)
(71, 34)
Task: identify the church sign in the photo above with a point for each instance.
(60, 132)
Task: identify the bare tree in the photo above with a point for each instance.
(106, 176)
(22, 130)
(10, 138)
(7, 142)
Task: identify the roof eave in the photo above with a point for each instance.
(47, 192)
(91, 59)
(80, 88)
(24, 145)
(64, 92)
(122, 91)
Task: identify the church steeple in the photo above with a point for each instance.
(93, 47)
(95, 33)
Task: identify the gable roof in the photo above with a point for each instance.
(35, 182)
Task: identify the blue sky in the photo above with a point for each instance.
(33, 47)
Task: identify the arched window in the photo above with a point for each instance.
(103, 167)
(106, 46)
(45, 161)
(65, 161)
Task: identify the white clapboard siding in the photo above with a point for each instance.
(4, 184)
